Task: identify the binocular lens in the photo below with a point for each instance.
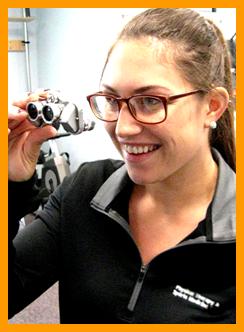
(47, 113)
(32, 111)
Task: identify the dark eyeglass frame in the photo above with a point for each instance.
(119, 100)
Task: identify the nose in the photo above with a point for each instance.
(126, 124)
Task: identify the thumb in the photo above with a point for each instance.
(40, 135)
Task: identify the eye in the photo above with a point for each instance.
(110, 100)
(151, 101)
(151, 104)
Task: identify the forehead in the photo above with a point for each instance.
(146, 61)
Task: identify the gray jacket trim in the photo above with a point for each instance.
(223, 205)
(110, 188)
(106, 194)
(224, 202)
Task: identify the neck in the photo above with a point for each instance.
(193, 185)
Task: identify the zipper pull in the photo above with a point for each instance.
(142, 273)
(137, 287)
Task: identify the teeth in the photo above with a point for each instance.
(139, 149)
(145, 149)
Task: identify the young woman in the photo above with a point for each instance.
(150, 239)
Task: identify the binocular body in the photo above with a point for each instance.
(53, 111)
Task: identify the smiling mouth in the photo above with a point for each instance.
(140, 149)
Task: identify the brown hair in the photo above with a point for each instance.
(201, 54)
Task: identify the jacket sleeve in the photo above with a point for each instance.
(22, 199)
(33, 251)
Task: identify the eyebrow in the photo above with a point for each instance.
(141, 90)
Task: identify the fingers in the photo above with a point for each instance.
(35, 96)
(40, 135)
(15, 119)
(18, 122)
(25, 139)
(17, 115)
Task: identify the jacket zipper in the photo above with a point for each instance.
(144, 268)
(137, 288)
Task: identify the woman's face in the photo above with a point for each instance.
(153, 153)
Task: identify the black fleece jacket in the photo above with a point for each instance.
(82, 239)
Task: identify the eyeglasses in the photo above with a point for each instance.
(147, 109)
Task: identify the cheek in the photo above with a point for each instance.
(186, 121)
(178, 134)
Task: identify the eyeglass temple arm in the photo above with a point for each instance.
(184, 94)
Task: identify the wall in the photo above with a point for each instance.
(17, 79)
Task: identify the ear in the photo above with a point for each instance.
(218, 99)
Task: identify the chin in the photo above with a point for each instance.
(141, 179)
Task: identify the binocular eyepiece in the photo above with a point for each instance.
(41, 113)
(54, 112)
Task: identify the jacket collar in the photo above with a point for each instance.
(223, 212)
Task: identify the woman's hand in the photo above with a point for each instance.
(25, 140)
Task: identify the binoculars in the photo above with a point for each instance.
(54, 111)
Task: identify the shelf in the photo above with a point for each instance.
(16, 46)
(21, 19)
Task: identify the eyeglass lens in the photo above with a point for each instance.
(144, 108)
